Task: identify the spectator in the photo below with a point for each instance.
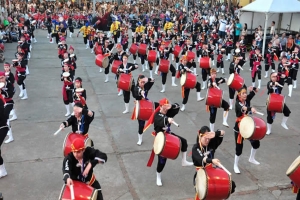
(222, 27)
(272, 31)
(238, 29)
(283, 42)
(245, 33)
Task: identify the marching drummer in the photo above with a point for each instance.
(72, 57)
(79, 93)
(185, 67)
(3, 131)
(140, 92)
(283, 73)
(164, 53)
(256, 70)
(163, 118)
(62, 47)
(68, 87)
(116, 56)
(204, 150)
(295, 65)
(205, 72)
(153, 45)
(143, 40)
(242, 108)
(269, 61)
(220, 63)
(7, 92)
(20, 75)
(126, 68)
(80, 121)
(214, 82)
(107, 49)
(273, 87)
(78, 165)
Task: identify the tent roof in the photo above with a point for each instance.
(273, 6)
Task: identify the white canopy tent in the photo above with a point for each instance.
(272, 6)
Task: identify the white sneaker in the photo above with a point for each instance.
(14, 117)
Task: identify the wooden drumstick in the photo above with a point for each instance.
(175, 124)
(72, 192)
(221, 166)
(58, 131)
(279, 85)
(259, 113)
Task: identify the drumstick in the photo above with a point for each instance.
(279, 85)
(259, 113)
(72, 192)
(58, 131)
(221, 166)
(175, 124)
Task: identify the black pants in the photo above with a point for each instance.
(239, 147)
(187, 92)
(164, 75)
(143, 58)
(106, 70)
(7, 109)
(71, 29)
(20, 81)
(56, 37)
(85, 39)
(162, 161)
(69, 96)
(220, 64)
(97, 186)
(282, 81)
(258, 73)
(141, 126)
(49, 30)
(213, 111)
(267, 67)
(293, 72)
(270, 117)
(298, 195)
(228, 50)
(3, 133)
(126, 94)
(205, 73)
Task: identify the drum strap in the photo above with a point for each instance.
(197, 197)
(92, 180)
(182, 92)
(239, 138)
(295, 189)
(133, 113)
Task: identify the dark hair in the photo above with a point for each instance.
(7, 63)
(141, 76)
(79, 79)
(78, 104)
(273, 22)
(202, 130)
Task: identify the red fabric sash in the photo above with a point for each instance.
(151, 158)
(219, 58)
(64, 90)
(255, 65)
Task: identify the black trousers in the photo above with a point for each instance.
(143, 58)
(220, 64)
(267, 67)
(97, 186)
(298, 195)
(239, 147)
(258, 73)
(70, 97)
(71, 29)
(20, 81)
(282, 81)
(213, 111)
(164, 75)
(270, 117)
(293, 72)
(106, 70)
(126, 94)
(187, 92)
(205, 73)
(7, 109)
(3, 133)
(56, 37)
(162, 161)
(85, 39)
(49, 30)
(141, 126)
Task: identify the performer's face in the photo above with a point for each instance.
(165, 108)
(77, 84)
(213, 75)
(2, 79)
(274, 77)
(204, 141)
(78, 154)
(243, 95)
(6, 68)
(125, 59)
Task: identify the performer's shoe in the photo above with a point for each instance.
(225, 116)
(120, 93)
(269, 129)
(3, 171)
(126, 108)
(211, 127)
(235, 166)
(290, 90)
(68, 110)
(183, 107)
(100, 70)
(163, 89)
(295, 85)
(173, 81)
(106, 78)
(203, 85)
(21, 91)
(25, 95)
(10, 137)
(223, 71)
(252, 157)
(158, 179)
(184, 162)
(14, 116)
(140, 139)
(283, 123)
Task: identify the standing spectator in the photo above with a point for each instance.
(222, 27)
(245, 33)
(272, 31)
(238, 29)
(290, 44)
(283, 42)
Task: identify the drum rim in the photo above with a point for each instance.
(183, 75)
(64, 144)
(137, 110)
(130, 85)
(105, 58)
(164, 143)
(288, 173)
(94, 194)
(253, 126)
(205, 174)
(231, 75)
(61, 192)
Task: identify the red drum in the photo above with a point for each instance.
(168, 44)
(275, 102)
(253, 128)
(102, 61)
(177, 51)
(125, 82)
(188, 80)
(133, 49)
(235, 81)
(205, 63)
(151, 56)
(144, 109)
(143, 49)
(167, 145)
(190, 55)
(164, 66)
(115, 66)
(82, 191)
(97, 49)
(213, 183)
(293, 172)
(214, 97)
(69, 140)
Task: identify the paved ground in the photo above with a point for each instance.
(34, 159)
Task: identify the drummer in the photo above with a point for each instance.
(164, 53)
(87, 158)
(220, 63)
(153, 45)
(185, 67)
(107, 49)
(140, 92)
(283, 73)
(162, 119)
(243, 108)
(7, 92)
(62, 47)
(204, 150)
(273, 87)
(143, 40)
(205, 72)
(234, 67)
(20, 74)
(72, 57)
(269, 61)
(295, 65)
(256, 70)
(214, 82)
(116, 56)
(68, 87)
(79, 93)
(3, 132)
(126, 68)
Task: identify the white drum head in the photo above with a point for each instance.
(247, 126)
(230, 79)
(201, 183)
(210, 62)
(105, 62)
(15, 60)
(1, 85)
(88, 142)
(79, 90)
(183, 79)
(237, 51)
(66, 60)
(159, 143)
(293, 166)
(66, 74)
(137, 109)
(95, 195)
(33, 22)
(72, 55)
